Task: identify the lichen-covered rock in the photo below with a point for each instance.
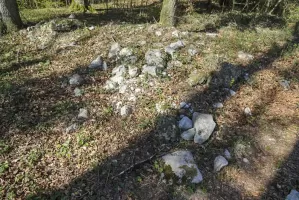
(166, 128)
(183, 166)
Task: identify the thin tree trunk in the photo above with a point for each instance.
(9, 12)
(167, 15)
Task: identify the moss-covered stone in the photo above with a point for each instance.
(196, 77)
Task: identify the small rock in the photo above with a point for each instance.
(177, 45)
(212, 35)
(158, 33)
(76, 79)
(77, 92)
(91, 28)
(232, 93)
(72, 128)
(114, 50)
(125, 111)
(227, 154)
(133, 71)
(247, 111)
(154, 58)
(122, 89)
(120, 70)
(97, 63)
(142, 43)
(185, 123)
(110, 85)
(138, 90)
(170, 51)
(83, 114)
(185, 33)
(204, 125)
(130, 59)
(183, 165)
(151, 70)
(104, 66)
(174, 63)
(192, 52)
(218, 105)
(126, 52)
(72, 16)
(196, 78)
(119, 79)
(219, 163)
(189, 134)
(132, 97)
(118, 105)
(185, 105)
(294, 195)
(161, 107)
(245, 56)
(175, 33)
(245, 160)
(285, 84)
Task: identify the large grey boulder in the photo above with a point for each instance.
(204, 125)
(183, 166)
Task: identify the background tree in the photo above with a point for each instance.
(80, 5)
(10, 19)
(167, 15)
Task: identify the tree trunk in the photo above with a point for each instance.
(9, 16)
(84, 3)
(167, 15)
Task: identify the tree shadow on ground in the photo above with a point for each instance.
(237, 17)
(104, 181)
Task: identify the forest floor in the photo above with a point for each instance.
(39, 159)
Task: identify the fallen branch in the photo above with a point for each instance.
(134, 166)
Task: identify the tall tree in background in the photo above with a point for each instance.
(80, 5)
(10, 19)
(167, 15)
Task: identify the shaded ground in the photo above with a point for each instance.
(37, 105)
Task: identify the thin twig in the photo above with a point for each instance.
(134, 166)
